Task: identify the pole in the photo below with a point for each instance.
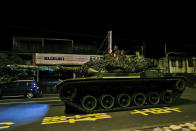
(165, 49)
(37, 75)
(109, 41)
(74, 75)
(166, 59)
(144, 48)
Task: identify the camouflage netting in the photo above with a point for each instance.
(120, 63)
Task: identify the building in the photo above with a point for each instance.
(178, 66)
(47, 55)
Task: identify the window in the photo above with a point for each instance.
(180, 65)
(190, 62)
(173, 62)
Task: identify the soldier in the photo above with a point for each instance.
(116, 52)
(122, 52)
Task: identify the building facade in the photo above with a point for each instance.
(46, 55)
(177, 64)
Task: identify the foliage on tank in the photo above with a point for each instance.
(116, 62)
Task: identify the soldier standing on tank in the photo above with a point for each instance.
(122, 52)
(115, 52)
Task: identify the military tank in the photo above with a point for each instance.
(119, 82)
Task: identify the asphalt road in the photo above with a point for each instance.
(47, 113)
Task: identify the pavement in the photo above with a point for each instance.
(180, 117)
(188, 126)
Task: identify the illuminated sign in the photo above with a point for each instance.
(63, 59)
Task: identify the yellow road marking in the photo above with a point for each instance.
(4, 125)
(76, 118)
(155, 111)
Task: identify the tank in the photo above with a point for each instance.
(119, 82)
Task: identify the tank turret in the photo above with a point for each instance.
(115, 62)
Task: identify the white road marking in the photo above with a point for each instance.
(45, 98)
(11, 100)
(16, 102)
(32, 98)
(48, 101)
(25, 102)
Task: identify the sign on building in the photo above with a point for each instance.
(63, 59)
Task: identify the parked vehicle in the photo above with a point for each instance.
(28, 88)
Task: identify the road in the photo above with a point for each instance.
(47, 113)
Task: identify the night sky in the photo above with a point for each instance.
(131, 22)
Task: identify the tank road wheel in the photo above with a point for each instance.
(153, 98)
(69, 93)
(176, 95)
(139, 99)
(89, 102)
(107, 101)
(180, 85)
(167, 97)
(123, 100)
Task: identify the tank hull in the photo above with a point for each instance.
(92, 95)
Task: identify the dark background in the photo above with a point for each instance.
(132, 23)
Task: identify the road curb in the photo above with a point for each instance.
(189, 125)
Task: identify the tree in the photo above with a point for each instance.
(9, 73)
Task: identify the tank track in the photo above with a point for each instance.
(79, 109)
(75, 93)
